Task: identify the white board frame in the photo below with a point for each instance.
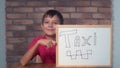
(60, 47)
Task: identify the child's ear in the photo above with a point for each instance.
(41, 26)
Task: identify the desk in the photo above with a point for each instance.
(38, 65)
(35, 65)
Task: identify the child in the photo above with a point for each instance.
(45, 46)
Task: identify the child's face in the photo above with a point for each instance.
(49, 25)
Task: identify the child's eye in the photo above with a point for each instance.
(45, 22)
(55, 22)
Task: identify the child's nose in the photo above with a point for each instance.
(50, 25)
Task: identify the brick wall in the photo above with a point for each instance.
(23, 18)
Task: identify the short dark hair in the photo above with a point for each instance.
(53, 13)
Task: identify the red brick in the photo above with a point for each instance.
(16, 16)
(10, 59)
(82, 22)
(81, 15)
(8, 21)
(80, 3)
(86, 9)
(69, 21)
(12, 4)
(70, 3)
(39, 33)
(34, 15)
(66, 15)
(58, 3)
(105, 22)
(25, 22)
(89, 22)
(30, 39)
(12, 64)
(16, 40)
(106, 10)
(23, 9)
(9, 47)
(16, 27)
(22, 46)
(72, 21)
(42, 9)
(38, 21)
(9, 9)
(23, 34)
(33, 27)
(9, 34)
(101, 3)
(15, 52)
(13, 59)
(9, 65)
(98, 15)
(66, 9)
(37, 3)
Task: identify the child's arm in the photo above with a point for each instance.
(29, 54)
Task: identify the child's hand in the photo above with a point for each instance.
(48, 43)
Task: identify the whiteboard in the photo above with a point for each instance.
(84, 46)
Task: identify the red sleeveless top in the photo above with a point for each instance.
(48, 55)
